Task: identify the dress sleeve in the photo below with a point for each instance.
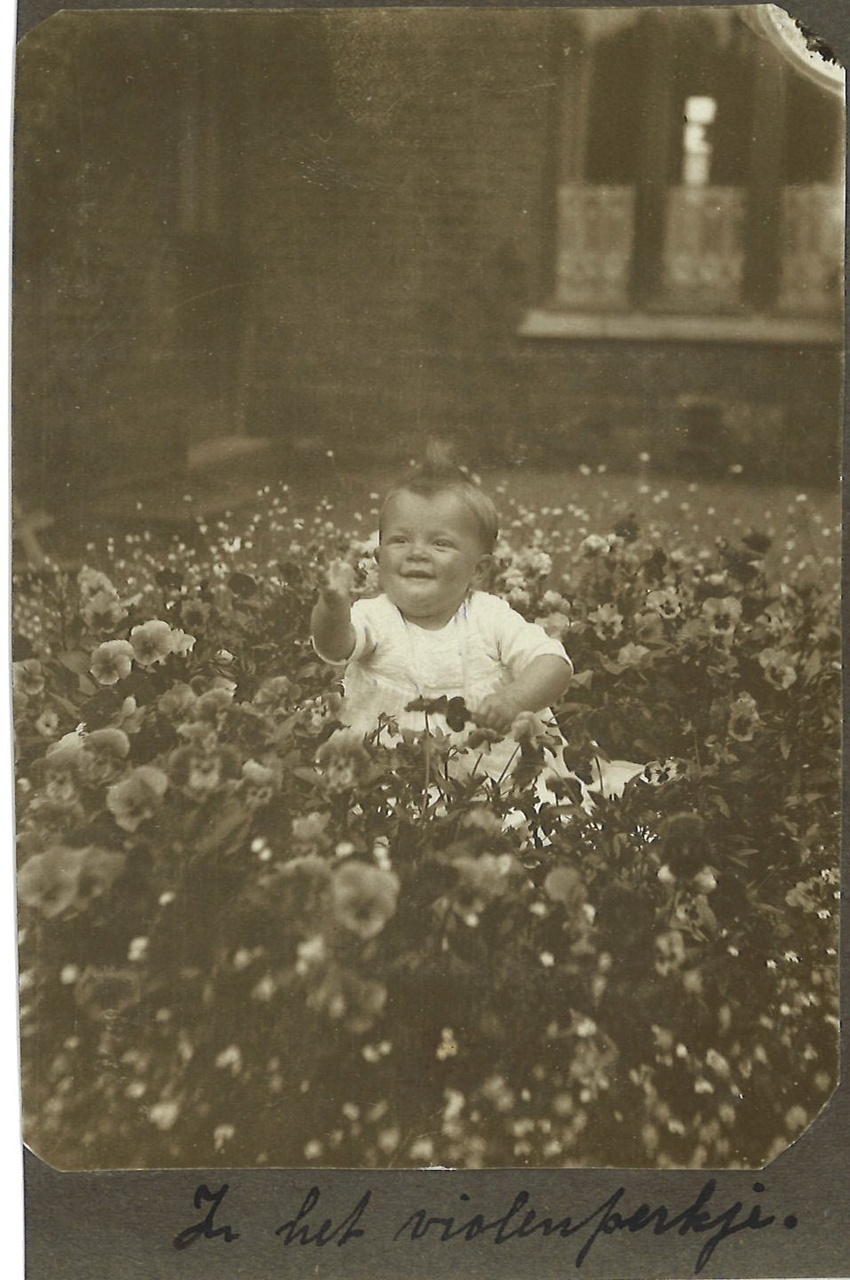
(364, 622)
(517, 641)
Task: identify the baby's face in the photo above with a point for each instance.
(429, 556)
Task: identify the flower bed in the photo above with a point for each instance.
(248, 937)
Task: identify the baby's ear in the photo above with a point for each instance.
(483, 570)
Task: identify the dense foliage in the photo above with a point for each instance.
(249, 937)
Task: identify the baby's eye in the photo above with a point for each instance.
(443, 542)
(395, 540)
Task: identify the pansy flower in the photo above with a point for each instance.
(201, 773)
(634, 655)
(102, 755)
(593, 546)
(480, 881)
(665, 602)
(137, 797)
(297, 892)
(309, 834)
(259, 783)
(565, 885)
(648, 627)
(743, 718)
(344, 995)
(47, 723)
(779, 667)
(62, 769)
(63, 878)
(363, 898)
(92, 581)
(194, 614)
(178, 700)
(722, 613)
(130, 715)
(49, 881)
(152, 642)
(103, 611)
(479, 817)
(555, 601)
(669, 952)
(657, 772)
(607, 621)
(212, 705)
(112, 661)
(27, 678)
(274, 695)
(554, 624)
(343, 760)
(182, 644)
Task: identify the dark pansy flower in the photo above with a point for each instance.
(457, 714)
(758, 542)
(627, 527)
(683, 844)
(242, 584)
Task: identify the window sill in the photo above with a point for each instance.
(644, 327)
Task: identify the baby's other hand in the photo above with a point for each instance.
(338, 582)
(497, 711)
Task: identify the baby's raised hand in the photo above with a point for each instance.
(338, 582)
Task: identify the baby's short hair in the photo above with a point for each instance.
(438, 473)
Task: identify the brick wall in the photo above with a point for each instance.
(327, 233)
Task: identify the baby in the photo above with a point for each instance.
(434, 630)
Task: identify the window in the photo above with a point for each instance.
(699, 177)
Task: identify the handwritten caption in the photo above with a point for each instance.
(519, 1221)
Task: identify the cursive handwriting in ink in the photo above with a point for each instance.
(297, 1230)
(205, 1229)
(520, 1221)
(695, 1218)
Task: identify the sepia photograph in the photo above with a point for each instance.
(426, 446)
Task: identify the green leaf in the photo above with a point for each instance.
(308, 775)
(76, 660)
(228, 831)
(64, 704)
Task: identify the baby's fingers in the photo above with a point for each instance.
(339, 578)
(492, 715)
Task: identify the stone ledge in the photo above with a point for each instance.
(646, 327)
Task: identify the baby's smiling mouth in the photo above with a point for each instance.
(421, 574)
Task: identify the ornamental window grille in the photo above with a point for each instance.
(698, 171)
